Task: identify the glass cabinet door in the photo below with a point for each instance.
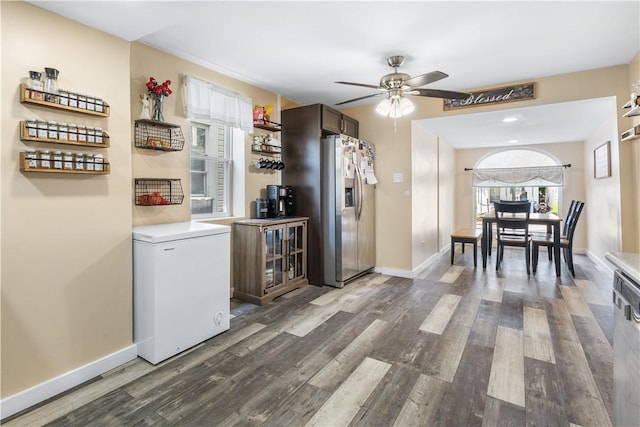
(274, 241)
(296, 265)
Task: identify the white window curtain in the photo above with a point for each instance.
(206, 101)
(543, 176)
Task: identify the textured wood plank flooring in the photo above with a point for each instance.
(456, 346)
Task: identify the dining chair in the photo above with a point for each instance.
(565, 229)
(506, 202)
(566, 240)
(512, 229)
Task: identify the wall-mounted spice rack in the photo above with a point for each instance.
(34, 165)
(30, 133)
(267, 125)
(155, 135)
(65, 102)
(158, 191)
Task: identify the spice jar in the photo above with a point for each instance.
(82, 101)
(57, 159)
(52, 130)
(45, 159)
(35, 85)
(73, 99)
(91, 103)
(43, 129)
(82, 133)
(88, 162)
(73, 132)
(63, 96)
(98, 160)
(91, 134)
(32, 127)
(99, 105)
(68, 160)
(30, 156)
(79, 161)
(63, 131)
(99, 139)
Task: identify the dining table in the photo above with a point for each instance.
(551, 220)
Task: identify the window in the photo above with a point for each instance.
(211, 170)
(496, 171)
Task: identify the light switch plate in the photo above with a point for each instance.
(398, 177)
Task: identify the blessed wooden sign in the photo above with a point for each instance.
(493, 96)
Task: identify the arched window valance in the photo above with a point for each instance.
(538, 176)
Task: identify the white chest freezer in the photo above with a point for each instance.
(181, 280)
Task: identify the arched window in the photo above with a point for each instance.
(517, 174)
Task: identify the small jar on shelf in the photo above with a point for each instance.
(73, 132)
(79, 161)
(73, 99)
(52, 127)
(82, 133)
(31, 157)
(99, 105)
(99, 139)
(98, 160)
(68, 160)
(82, 101)
(91, 103)
(91, 134)
(63, 95)
(43, 129)
(45, 159)
(32, 127)
(63, 131)
(57, 159)
(88, 162)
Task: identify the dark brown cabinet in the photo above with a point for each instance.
(334, 122)
(303, 129)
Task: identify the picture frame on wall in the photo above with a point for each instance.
(602, 161)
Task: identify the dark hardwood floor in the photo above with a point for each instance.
(456, 346)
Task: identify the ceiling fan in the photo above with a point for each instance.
(396, 85)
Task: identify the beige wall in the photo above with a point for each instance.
(446, 194)
(66, 239)
(393, 144)
(147, 61)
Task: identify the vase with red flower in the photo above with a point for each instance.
(157, 92)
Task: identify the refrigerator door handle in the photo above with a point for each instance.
(359, 194)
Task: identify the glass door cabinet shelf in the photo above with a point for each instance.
(269, 258)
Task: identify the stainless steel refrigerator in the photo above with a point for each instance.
(348, 213)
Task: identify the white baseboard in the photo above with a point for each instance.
(408, 274)
(599, 262)
(43, 391)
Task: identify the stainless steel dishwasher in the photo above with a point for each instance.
(626, 347)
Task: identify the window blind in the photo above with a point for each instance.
(206, 101)
(539, 176)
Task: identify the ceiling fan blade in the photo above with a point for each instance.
(437, 93)
(427, 78)
(362, 97)
(359, 84)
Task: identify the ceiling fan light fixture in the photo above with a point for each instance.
(406, 106)
(384, 107)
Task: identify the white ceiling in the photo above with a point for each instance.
(300, 48)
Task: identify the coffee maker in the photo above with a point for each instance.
(280, 201)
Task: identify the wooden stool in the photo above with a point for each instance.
(466, 235)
